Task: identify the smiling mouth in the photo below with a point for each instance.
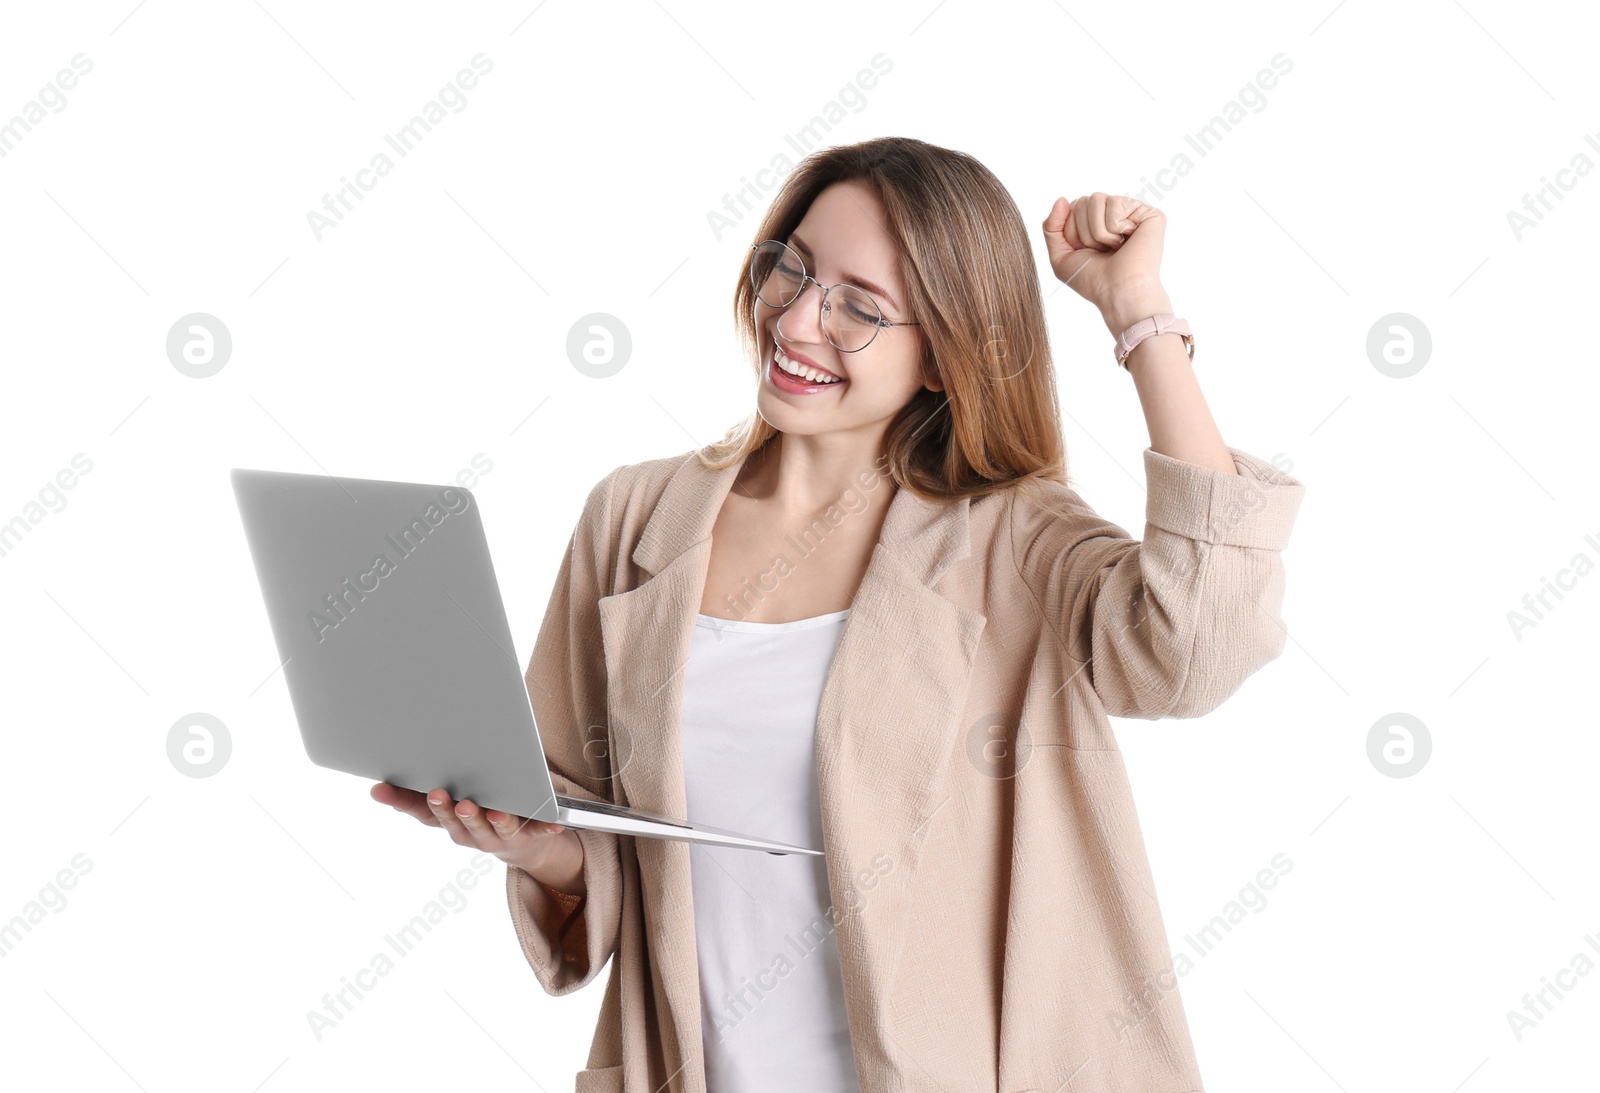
(802, 372)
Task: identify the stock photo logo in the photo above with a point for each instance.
(608, 745)
(1399, 345)
(199, 345)
(599, 345)
(1398, 745)
(198, 745)
(994, 750)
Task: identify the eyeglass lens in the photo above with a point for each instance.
(850, 317)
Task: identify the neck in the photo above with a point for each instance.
(806, 474)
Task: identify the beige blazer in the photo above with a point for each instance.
(995, 914)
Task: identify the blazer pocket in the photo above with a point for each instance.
(600, 1079)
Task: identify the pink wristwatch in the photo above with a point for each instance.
(1147, 328)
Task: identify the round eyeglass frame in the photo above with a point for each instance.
(805, 279)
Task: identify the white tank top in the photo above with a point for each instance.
(771, 995)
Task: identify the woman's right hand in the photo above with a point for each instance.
(550, 853)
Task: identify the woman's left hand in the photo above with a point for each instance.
(1108, 248)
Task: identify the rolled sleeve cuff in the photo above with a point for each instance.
(1254, 508)
(542, 922)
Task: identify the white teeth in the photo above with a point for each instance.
(801, 371)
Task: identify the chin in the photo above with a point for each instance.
(787, 418)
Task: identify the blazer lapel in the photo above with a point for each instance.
(890, 719)
(646, 632)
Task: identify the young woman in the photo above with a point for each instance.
(876, 619)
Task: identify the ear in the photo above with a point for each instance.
(930, 373)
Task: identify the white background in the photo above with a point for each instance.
(431, 323)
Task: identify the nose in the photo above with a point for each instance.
(801, 321)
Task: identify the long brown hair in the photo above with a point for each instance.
(972, 284)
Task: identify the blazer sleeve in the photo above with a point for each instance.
(1172, 625)
(567, 686)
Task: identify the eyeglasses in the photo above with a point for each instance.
(850, 317)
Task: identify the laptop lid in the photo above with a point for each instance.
(388, 621)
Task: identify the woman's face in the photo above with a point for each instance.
(840, 239)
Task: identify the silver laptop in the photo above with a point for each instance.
(393, 640)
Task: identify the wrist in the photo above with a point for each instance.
(1123, 310)
(561, 866)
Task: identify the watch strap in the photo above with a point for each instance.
(1149, 328)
